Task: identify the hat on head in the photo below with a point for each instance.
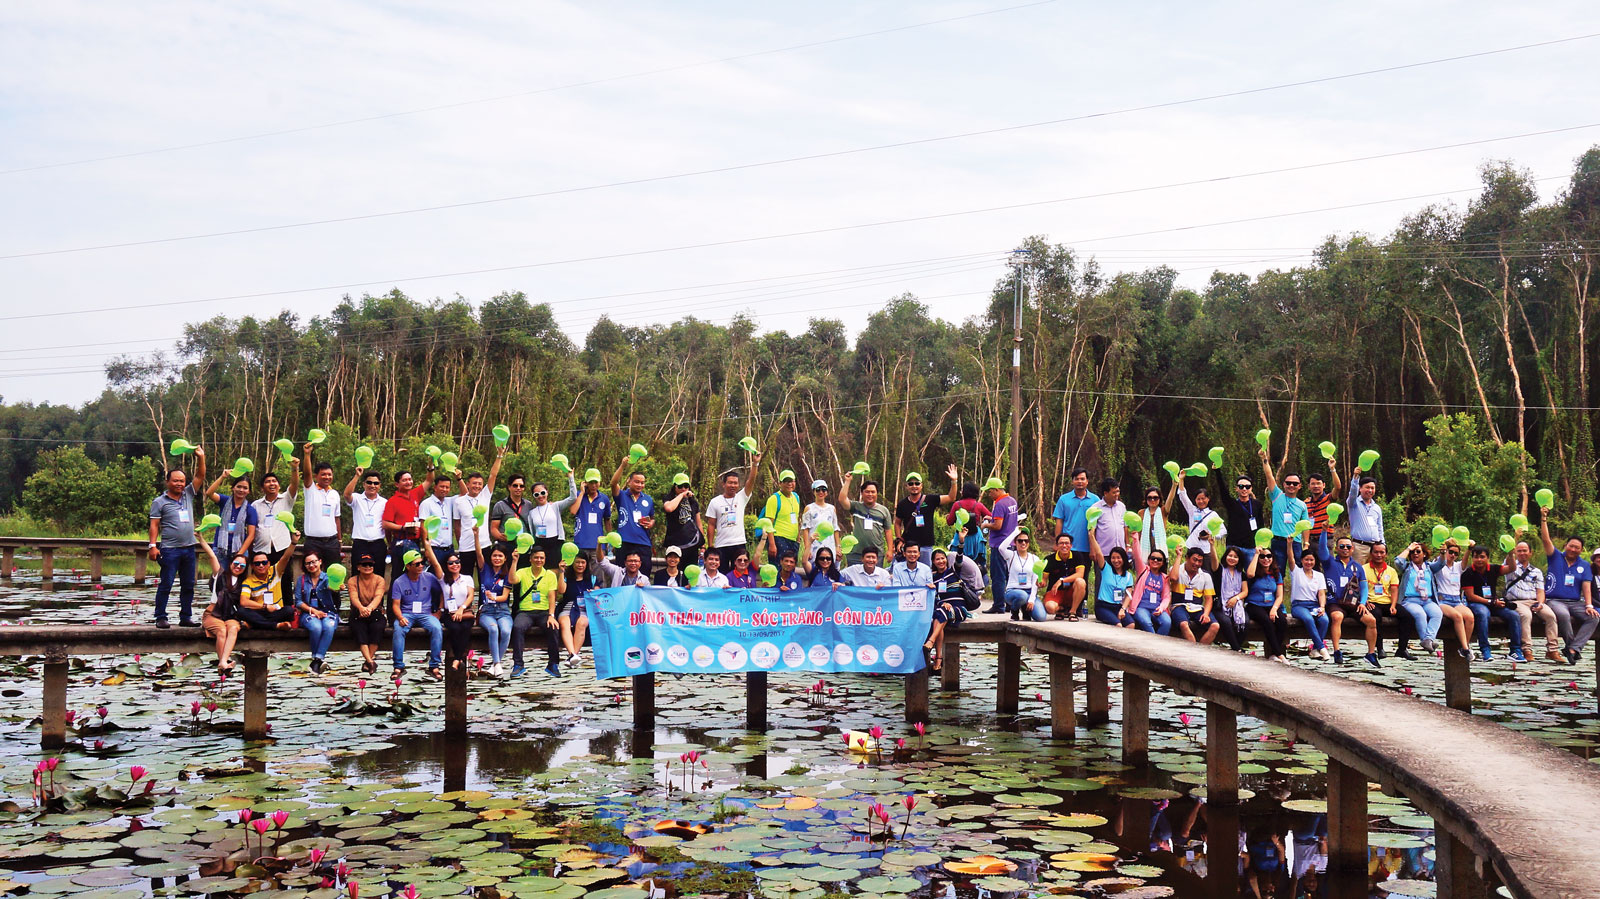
(672, 551)
(786, 475)
(819, 484)
(680, 478)
(411, 556)
(914, 476)
(592, 474)
(994, 484)
(366, 558)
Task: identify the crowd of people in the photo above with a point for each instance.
(448, 555)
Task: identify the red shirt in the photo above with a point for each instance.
(974, 508)
(1319, 513)
(402, 509)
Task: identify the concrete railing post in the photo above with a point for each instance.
(1135, 719)
(255, 695)
(755, 701)
(141, 558)
(1009, 679)
(8, 559)
(1347, 820)
(1455, 868)
(1222, 755)
(47, 563)
(1063, 711)
(950, 666)
(1097, 683)
(917, 696)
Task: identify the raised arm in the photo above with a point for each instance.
(616, 477)
(955, 485)
(1172, 491)
(211, 491)
(494, 469)
(288, 554)
(844, 491)
(1268, 481)
(199, 464)
(1333, 478)
(574, 493)
(433, 560)
(755, 475)
(350, 488)
(305, 466)
(1544, 534)
(216, 566)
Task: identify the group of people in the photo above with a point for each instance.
(447, 555)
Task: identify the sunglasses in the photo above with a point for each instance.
(913, 482)
(540, 493)
(261, 562)
(238, 563)
(1291, 483)
(453, 562)
(363, 564)
(1243, 486)
(1347, 546)
(1152, 497)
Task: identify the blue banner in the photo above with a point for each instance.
(638, 630)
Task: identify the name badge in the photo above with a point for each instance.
(372, 521)
(1569, 579)
(637, 515)
(594, 518)
(418, 607)
(231, 526)
(729, 519)
(543, 531)
(327, 509)
(1252, 522)
(183, 516)
(868, 524)
(1288, 518)
(916, 520)
(1488, 592)
(794, 518)
(1022, 579)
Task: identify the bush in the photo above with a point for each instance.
(1464, 479)
(70, 491)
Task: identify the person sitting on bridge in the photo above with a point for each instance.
(261, 605)
(1481, 584)
(220, 621)
(367, 590)
(1116, 578)
(910, 571)
(318, 605)
(1569, 588)
(572, 614)
(1022, 584)
(629, 574)
(1150, 597)
(1264, 604)
(1065, 583)
(535, 589)
(415, 598)
(1308, 602)
(789, 579)
(956, 599)
(1347, 595)
(1194, 597)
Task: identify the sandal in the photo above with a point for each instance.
(934, 662)
(436, 673)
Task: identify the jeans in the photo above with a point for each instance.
(496, 620)
(1280, 551)
(427, 622)
(179, 563)
(786, 547)
(321, 632)
(1481, 614)
(1106, 613)
(1576, 626)
(1426, 613)
(998, 573)
(1148, 620)
(1274, 632)
(1316, 625)
(1016, 599)
(526, 621)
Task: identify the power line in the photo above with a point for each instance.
(545, 90)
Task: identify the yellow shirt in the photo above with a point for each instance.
(534, 593)
(1378, 588)
(268, 592)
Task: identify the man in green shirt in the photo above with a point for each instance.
(783, 510)
(869, 521)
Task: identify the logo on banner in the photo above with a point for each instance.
(913, 601)
(652, 653)
(703, 656)
(843, 654)
(677, 655)
(893, 655)
(764, 655)
(731, 655)
(794, 655)
(820, 654)
(633, 657)
(867, 655)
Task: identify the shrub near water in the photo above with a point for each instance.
(72, 492)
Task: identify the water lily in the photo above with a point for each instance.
(410, 891)
(342, 869)
(71, 716)
(910, 802)
(1184, 718)
(102, 711)
(361, 684)
(333, 692)
(876, 731)
(194, 709)
(280, 818)
(354, 889)
(245, 815)
(136, 773)
(920, 728)
(261, 825)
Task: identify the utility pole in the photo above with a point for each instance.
(1019, 259)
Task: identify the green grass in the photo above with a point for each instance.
(19, 524)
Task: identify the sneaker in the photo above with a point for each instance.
(519, 670)
(554, 671)
(1517, 656)
(574, 660)
(1429, 647)
(1464, 652)
(1371, 658)
(1381, 654)
(496, 671)
(1485, 656)
(1338, 657)
(316, 666)
(188, 623)
(163, 623)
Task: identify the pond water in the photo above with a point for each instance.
(554, 795)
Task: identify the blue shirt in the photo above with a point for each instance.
(1340, 573)
(1112, 584)
(1069, 509)
(1366, 520)
(793, 582)
(1565, 581)
(418, 597)
(1286, 510)
(629, 511)
(591, 521)
(1263, 590)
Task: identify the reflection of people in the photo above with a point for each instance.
(1310, 854)
(1264, 856)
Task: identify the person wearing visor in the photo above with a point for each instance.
(682, 511)
(591, 513)
(914, 515)
(819, 512)
(415, 598)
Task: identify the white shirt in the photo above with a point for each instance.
(322, 512)
(1303, 587)
(271, 534)
(473, 537)
(816, 514)
(718, 581)
(446, 510)
(1448, 579)
(456, 593)
(544, 522)
(727, 513)
(366, 516)
(1200, 519)
(857, 576)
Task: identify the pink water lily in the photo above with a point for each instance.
(342, 869)
(280, 818)
(316, 856)
(920, 728)
(909, 801)
(354, 889)
(900, 743)
(876, 731)
(52, 764)
(261, 825)
(194, 708)
(361, 684)
(137, 773)
(245, 815)
(410, 891)
(333, 691)
(211, 705)
(1183, 717)
(71, 716)
(102, 711)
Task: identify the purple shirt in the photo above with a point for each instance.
(1005, 511)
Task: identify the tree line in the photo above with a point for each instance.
(1472, 319)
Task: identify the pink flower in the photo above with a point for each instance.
(211, 705)
(137, 772)
(1184, 718)
(876, 731)
(900, 743)
(1572, 685)
(71, 716)
(327, 883)
(846, 736)
(99, 744)
(342, 869)
(102, 711)
(245, 815)
(354, 889)
(136, 658)
(194, 708)
(410, 891)
(1406, 690)
(479, 662)
(883, 814)
(861, 741)
(262, 825)
(920, 728)
(52, 764)
(683, 757)
(280, 818)
(333, 691)
(910, 801)
(1039, 697)
(361, 684)
(704, 765)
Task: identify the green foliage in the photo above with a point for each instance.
(1583, 523)
(1462, 477)
(78, 496)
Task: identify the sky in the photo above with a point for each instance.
(155, 124)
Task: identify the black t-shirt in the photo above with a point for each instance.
(683, 523)
(908, 512)
(1487, 583)
(661, 579)
(1055, 569)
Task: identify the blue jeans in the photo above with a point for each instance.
(1148, 620)
(1425, 612)
(1280, 552)
(321, 632)
(786, 547)
(998, 573)
(1482, 613)
(177, 563)
(435, 630)
(1016, 599)
(1106, 613)
(496, 620)
(1316, 625)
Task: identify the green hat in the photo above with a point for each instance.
(1093, 513)
(592, 474)
(1263, 538)
(433, 452)
(1334, 511)
(1264, 437)
(1519, 521)
(1461, 534)
(287, 518)
(1038, 565)
(1440, 533)
(411, 556)
(768, 574)
(1545, 498)
(786, 475)
(512, 527)
(962, 517)
(748, 444)
(1507, 543)
(1301, 526)
(449, 461)
(848, 543)
(479, 513)
(211, 520)
(1171, 468)
(914, 476)
(180, 447)
(636, 453)
(824, 530)
(1197, 470)
(1327, 449)
(763, 525)
(569, 551)
(680, 478)
(241, 467)
(285, 447)
(861, 468)
(613, 540)
(692, 574)
(432, 522)
(336, 575)
(501, 433)
(1368, 459)
(1215, 454)
(524, 542)
(364, 456)
(994, 484)
(559, 460)
(1134, 521)
(316, 436)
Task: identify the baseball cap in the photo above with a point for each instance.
(786, 475)
(672, 551)
(411, 556)
(680, 478)
(914, 476)
(994, 484)
(819, 484)
(592, 474)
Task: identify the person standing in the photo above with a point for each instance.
(819, 512)
(1568, 588)
(913, 516)
(475, 538)
(544, 521)
(1287, 509)
(1366, 516)
(272, 535)
(1205, 524)
(591, 513)
(1318, 495)
(441, 535)
(973, 545)
(1111, 530)
(783, 510)
(173, 544)
(725, 514)
(683, 520)
(869, 520)
(240, 521)
(1069, 515)
(1001, 525)
(1243, 513)
(515, 506)
(400, 522)
(636, 515)
(366, 519)
(319, 527)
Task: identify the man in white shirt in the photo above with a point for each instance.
(475, 539)
(867, 573)
(726, 513)
(320, 525)
(818, 512)
(712, 578)
(272, 535)
(366, 518)
(442, 536)
(909, 571)
(628, 574)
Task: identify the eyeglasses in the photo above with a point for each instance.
(1243, 485)
(913, 482)
(1346, 546)
(538, 493)
(453, 562)
(1291, 483)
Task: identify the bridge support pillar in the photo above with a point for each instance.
(1009, 680)
(47, 563)
(1063, 711)
(455, 698)
(917, 696)
(1457, 675)
(1135, 719)
(97, 560)
(141, 558)
(1347, 820)
(53, 719)
(949, 666)
(1456, 868)
(644, 703)
(755, 700)
(1222, 755)
(255, 695)
(8, 560)
(1097, 684)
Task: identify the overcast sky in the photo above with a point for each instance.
(84, 81)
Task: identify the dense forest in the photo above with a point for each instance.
(1481, 313)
